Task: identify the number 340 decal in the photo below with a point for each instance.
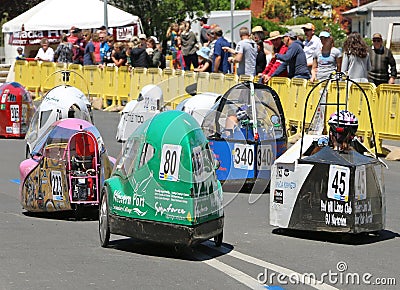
(244, 157)
(339, 183)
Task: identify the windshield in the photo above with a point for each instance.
(33, 128)
(237, 109)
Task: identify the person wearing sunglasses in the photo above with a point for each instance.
(89, 57)
(381, 59)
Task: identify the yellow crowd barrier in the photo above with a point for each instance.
(117, 86)
(123, 85)
(94, 79)
(110, 87)
(388, 112)
(47, 76)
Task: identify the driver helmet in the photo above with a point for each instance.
(343, 124)
(241, 113)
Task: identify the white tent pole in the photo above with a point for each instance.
(105, 15)
(232, 24)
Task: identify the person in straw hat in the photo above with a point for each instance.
(279, 47)
(257, 33)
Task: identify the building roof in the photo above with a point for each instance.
(380, 5)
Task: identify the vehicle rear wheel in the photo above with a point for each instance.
(218, 239)
(104, 223)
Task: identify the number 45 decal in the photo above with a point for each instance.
(339, 183)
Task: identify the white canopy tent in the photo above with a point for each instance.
(51, 17)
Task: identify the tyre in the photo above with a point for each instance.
(79, 212)
(218, 239)
(104, 222)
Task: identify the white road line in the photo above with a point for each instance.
(306, 280)
(230, 271)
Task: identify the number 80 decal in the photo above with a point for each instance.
(170, 162)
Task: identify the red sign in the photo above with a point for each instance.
(24, 38)
(125, 33)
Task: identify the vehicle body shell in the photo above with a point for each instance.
(136, 112)
(246, 151)
(61, 102)
(67, 168)
(327, 191)
(318, 187)
(199, 105)
(16, 110)
(163, 187)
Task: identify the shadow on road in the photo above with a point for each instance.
(201, 252)
(89, 214)
(339, 238)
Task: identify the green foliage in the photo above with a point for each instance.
(14, 8)
(267, 25)
(157, 15)
(277, 9)
(10, 9)
(299, 20)
(3, 20)
(284, 10)
(368, 41)
(338, 34)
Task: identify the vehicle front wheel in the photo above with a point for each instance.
(104, 223)
(218, 239)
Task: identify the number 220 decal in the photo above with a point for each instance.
(339, 182)
(56, 182)
(170, 162)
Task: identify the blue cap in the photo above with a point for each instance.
(204, 52)
(324, 34)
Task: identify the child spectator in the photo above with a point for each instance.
(204, 62)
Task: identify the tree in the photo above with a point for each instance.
(157, 15)
(286, 9)
(13, 8)
(10, 9)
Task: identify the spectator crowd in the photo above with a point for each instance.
(289, 55)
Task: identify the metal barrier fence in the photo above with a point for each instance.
(116, 86)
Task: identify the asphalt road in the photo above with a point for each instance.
(56, 252)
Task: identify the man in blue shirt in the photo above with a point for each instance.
(220, 57)
(104, 47)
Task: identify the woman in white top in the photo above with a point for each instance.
(356, 60)
(45, 53)
(327, 60)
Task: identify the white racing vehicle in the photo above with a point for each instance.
(330, 182)
(61, 102)
(150, 102)
(136, 112)
(199, 105)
